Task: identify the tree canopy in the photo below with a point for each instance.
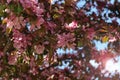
(31, 32)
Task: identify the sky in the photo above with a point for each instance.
(100, 46)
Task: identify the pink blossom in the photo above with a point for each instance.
(20, 22)
(34, 71)
(26, 3)
(50, 26)
(9, 24)
(33, 6)
(38, 11)
(21, 41)
(39, 48)
(66, 40)
(17, 22)
(72, 25)
(112, 39)
(37, 24)
(1, 54)
(39, 21)
(12, 59)
(8, 1)
(91, 33)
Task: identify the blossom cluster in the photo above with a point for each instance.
(21, 41)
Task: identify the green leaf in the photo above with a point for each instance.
(18, 9)
(40, 59)
(2, 7)
(105, 39)
(56, 16)
(80, 44)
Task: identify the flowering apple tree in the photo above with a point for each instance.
(31, 31)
